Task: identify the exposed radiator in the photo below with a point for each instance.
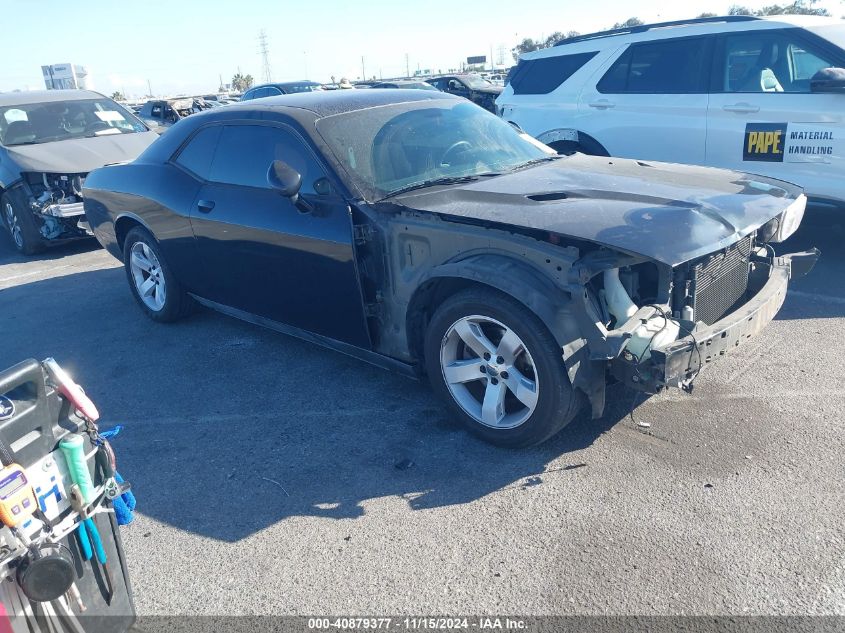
(720, 280)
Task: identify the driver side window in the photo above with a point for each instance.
(773, 61)
(244, 154)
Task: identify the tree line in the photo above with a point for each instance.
(797, 7)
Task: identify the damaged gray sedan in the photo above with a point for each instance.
(419, 232)
(49, 141)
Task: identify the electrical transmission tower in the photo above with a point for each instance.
(264, 49)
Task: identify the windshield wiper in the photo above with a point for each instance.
(446, 180)
(536, 161)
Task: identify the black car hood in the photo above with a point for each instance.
(666, 212)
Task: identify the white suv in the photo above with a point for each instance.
(756, 95)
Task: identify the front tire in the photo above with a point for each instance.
(155, 288)
(22, 228)
(499, 369)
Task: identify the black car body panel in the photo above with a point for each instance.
(363, 276)
(669, 213)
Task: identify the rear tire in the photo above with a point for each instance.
(517, 395)
(22, 227)
(155, 288)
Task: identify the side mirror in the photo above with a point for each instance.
(284, 179)
(828, 80)
(287, 181)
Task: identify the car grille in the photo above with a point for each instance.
(720, 281)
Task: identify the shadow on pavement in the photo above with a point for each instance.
(819, 294)
(8, 255)
(230, 428)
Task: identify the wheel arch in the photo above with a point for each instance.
(526, 284)
(519, 280)
(125, 223)
(566, 138)
(15, 189)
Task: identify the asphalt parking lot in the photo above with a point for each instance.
(273, 476)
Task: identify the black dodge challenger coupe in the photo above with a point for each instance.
(419, 232)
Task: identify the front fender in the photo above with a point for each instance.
(521, 281)
(551, 303)
(10, 174)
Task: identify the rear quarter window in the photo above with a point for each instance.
(675, 66)
(196, 156)
(541, 76)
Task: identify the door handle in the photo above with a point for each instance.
(205, 206)
(601, 104)
(741, 108)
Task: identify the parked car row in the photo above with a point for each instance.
(469, 85)
(50, 140)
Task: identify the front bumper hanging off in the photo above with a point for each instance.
(676, 364)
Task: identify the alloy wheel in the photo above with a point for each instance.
(148, 276)
(14, 226)
(489, 372)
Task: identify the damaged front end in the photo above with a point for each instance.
(657, 326)
(55, 201)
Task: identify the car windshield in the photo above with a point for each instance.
(475, 82)
(391, 148)
(33, 123)
(834, 33)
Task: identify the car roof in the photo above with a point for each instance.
(678, 28)
(46, 96)
(302, 109)
(329, 102)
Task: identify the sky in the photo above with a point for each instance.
(185, 46)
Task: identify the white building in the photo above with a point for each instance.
(65, 77)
